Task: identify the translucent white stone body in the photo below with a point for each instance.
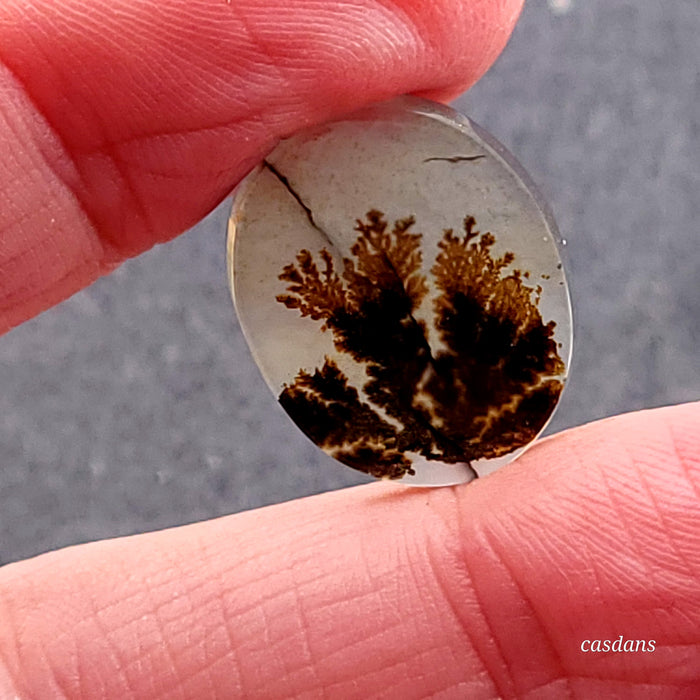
(345, 224)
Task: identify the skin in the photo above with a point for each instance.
(121, 124)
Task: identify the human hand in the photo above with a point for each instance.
(122, 124)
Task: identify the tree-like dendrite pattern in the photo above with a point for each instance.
(486, 391)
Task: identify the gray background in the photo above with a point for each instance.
(135, 405)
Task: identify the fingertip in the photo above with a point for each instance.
(155, 128)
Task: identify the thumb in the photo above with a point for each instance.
(479, 591)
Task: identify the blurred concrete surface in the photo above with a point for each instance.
(136, 405)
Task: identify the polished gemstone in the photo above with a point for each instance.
(400, 287)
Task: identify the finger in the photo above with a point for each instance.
(122, 123)
(486, 590)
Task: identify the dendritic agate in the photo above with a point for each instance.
(400, 288)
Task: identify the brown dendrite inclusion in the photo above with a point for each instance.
(487, 390)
